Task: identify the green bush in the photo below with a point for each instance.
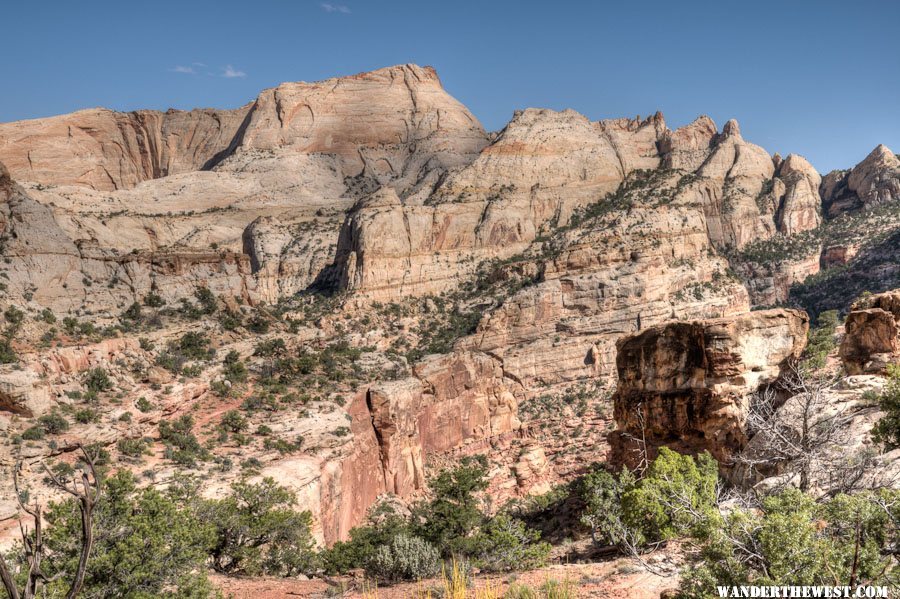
(152, 300)
(207, 301)
(14, 316)
(97, 381)
(233, 421)
(383, 524)
(404, 558)
(86, 416)
(601, 493)
(270, 347)
(182, 447)
(454, 510)
(233, 369)
(194, 345)
(504, 544)
(792, 540)
(7, 353)
(34, 433)
(258, 531)
(146, 544)
(676, 495)
(53, 423)
(133, 448)
(258, 324)
(821, 340)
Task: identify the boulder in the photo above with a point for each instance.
(687, 385)
(872, 334)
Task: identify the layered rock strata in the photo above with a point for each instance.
(688, 385)
(872, 334)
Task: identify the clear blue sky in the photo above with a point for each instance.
(820, 78)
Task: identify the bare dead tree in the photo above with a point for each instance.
(86, 494)
(803, 434)
(640, 441)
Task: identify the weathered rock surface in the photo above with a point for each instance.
(872, 334)
(687, 385)
(799, 205)
(22, 392)
(107, 150)
(285, 168)
(452, 400)
(874, 180)
(543, 165)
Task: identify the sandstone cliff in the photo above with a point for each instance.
(872, 339)
(688, 385)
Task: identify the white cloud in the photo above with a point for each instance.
(230, 72)
(184, 69)
(328, 7)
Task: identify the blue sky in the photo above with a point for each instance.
(818, 78)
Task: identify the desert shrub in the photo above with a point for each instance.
(258, 324)
(504, 543)
(404, 558)
(53, 423)
(233, 369)
(14, 316)
(152, 300)
(193, 370)
(283, 446)
(258, 531)
(270, 347)
(601, 493)
(182, 447)
(454, 510)
(7, 354)
(383, 523)
(230, 320)
(171, 361)
(34, 433)
(133, 312)
(792, 540)
(233, 421)
(194, 345)
(133, 448)
(146, 544)
(97, 381)
(206, 300)
(86, 415)
(821, 339)
(143, 404)
(676, 495)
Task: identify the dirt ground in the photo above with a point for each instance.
(614, 579)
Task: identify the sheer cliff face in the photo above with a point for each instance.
(106, 150)
(369, 121)
(688, 385)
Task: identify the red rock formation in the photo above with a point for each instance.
(687, 385)
(872, 334)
